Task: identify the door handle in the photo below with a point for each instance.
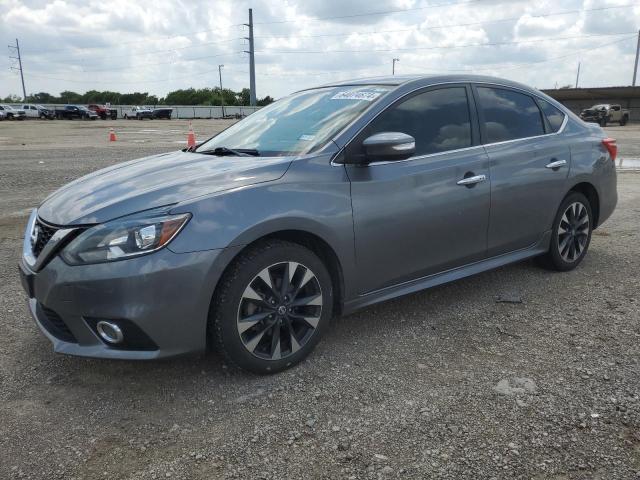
(470, 181)
(556, 164)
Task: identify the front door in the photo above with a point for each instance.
(429, 213)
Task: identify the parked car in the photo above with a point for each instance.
(160, 113)
(138, 113)
(69, 112)
(3, 114)
(604, 114)
(103, 111)
(324, 202)
(37, 111)
(13, 113)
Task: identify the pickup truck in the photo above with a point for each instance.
(12, 113)
(138, 113)
(162, 113)
(605, 113)
(70, 112)
(37, 111)
(103, 111)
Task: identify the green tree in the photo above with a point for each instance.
(265, 101)
(42, 97)
(244, 97)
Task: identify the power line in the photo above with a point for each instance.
(384, 12)
(439, 71)
(170, 62)
(528, 64)
(442, 47)
(160, 39)
(164, 80)
(84, 50)
(439, 27)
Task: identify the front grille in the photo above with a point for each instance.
(54, 324)
(44, 235)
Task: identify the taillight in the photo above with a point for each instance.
(611, 146)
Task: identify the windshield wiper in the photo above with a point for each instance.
(239, 152)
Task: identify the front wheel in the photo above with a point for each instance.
(571, 234)
(271, 307)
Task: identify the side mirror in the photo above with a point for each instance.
(389, 147)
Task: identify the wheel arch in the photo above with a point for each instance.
(313, 242)
(589, 191)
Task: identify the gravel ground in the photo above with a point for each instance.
(514, 373)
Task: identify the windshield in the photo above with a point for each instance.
(299, 123)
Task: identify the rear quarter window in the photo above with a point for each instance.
(555, 116)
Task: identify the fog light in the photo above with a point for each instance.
(109, 332)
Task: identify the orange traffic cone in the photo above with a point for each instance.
(191, 137)
(112, 135)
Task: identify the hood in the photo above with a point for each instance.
(153, 182)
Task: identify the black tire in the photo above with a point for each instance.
(559, 257)
(295, 338)
(624, 121)
(603, 122)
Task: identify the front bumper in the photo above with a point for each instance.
(164, 295)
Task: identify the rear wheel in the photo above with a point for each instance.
(623, 121)
(271, 307)
(571, 234)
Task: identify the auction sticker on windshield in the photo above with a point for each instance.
(366, 95)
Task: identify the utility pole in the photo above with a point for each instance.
(252, 61)
(393, 66)
(635, 67)
(221, 93)
(578, 75)
(19, 58)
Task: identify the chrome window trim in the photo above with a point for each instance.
(422, 157)
(472, 83)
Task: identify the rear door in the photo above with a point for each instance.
(413, 217)
(529, 167)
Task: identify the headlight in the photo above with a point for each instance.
(122, 239)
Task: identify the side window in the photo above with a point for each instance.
(508, 115)
(554, 115)
(439, 120)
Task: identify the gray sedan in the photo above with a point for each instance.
(324, 202)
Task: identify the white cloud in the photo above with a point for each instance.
(159, 46)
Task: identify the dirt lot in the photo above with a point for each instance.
(447, 383)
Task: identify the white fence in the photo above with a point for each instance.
(185, 111)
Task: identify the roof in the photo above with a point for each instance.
(426, 80)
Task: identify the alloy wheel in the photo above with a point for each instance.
(573, 232)
(279, 310)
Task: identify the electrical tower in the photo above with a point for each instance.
(252, 62)
(16, 48)
(635, 66)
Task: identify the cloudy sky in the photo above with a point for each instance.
(162, 45)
